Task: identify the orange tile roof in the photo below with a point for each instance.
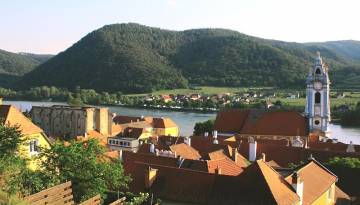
(272, 182)
(227, 166)
(122, 119)
(258, 122)
(13, 116)
(163, 123)
(283, 123)
(231, 120)
(185, 151)
(317, 180)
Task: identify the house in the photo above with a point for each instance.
(166, 98)
(129, 139)
(34, 135)
(164, 126)
(258, 183)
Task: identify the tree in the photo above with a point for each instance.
(202, 127)
(85, 165)
(10, 138)
(345, 162)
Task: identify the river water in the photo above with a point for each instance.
(187, 120)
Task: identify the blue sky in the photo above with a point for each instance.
(51, 26)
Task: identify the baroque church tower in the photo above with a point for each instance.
(317, 107)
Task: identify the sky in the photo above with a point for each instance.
(51, 26)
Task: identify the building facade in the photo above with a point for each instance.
(317, 107)
(70, 122)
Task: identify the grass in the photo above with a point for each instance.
(204, 90)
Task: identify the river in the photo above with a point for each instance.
(187, 120)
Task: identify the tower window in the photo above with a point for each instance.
(317, 97)
(318, 72)
(317, 122)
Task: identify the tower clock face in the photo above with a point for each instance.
(317, 85)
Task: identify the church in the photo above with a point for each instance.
(288, 125)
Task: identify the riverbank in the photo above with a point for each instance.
(177, 109)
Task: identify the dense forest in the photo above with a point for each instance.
(15, 65)
(133, 58)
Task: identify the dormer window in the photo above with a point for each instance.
(318, 71)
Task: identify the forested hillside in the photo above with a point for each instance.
(13, 65)
(135, 58)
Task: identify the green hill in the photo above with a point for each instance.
(13, 65)
(135, 58)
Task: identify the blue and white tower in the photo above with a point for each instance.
(317, 107)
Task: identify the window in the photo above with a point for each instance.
(317, 122)
(318, 71)
(34, 146)
(317, 98)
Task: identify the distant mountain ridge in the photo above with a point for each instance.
(135, 58)
(15, 65)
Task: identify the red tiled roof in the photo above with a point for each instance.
(283, 123)
(230, 121)
(163, 123)
(317, 180)
(132, 132)
(14, 117)
(257, 122)
(185, 151)
(122, 119)
(260, 176)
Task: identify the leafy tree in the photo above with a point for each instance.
(10, 138)
(346, 162)
(202, 127)
(84, 164)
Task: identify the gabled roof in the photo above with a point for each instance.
(163, 122)
(317, 180)
(132, 132)
(185, 151)
(13, 117)
(266, 180)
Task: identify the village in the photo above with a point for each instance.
(251, 156)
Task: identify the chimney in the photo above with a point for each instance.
(152, 148)
(215, 141)
(215, 134)
(263, 157)
(121, 155)
(150, 176)
(206, 134)
(252, 150)
(218, 170)
(350, 147)
(234, 154)
(188, 141)
(298, 185)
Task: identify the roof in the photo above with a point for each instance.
(231, 120)
(13, 117)
(122, 119)
(261, 184)
(316, 178)
(185, 151)
(227, 166)
(284, 123)
(163, 123)
(273, 184)
(259, 122)
(132, 132)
